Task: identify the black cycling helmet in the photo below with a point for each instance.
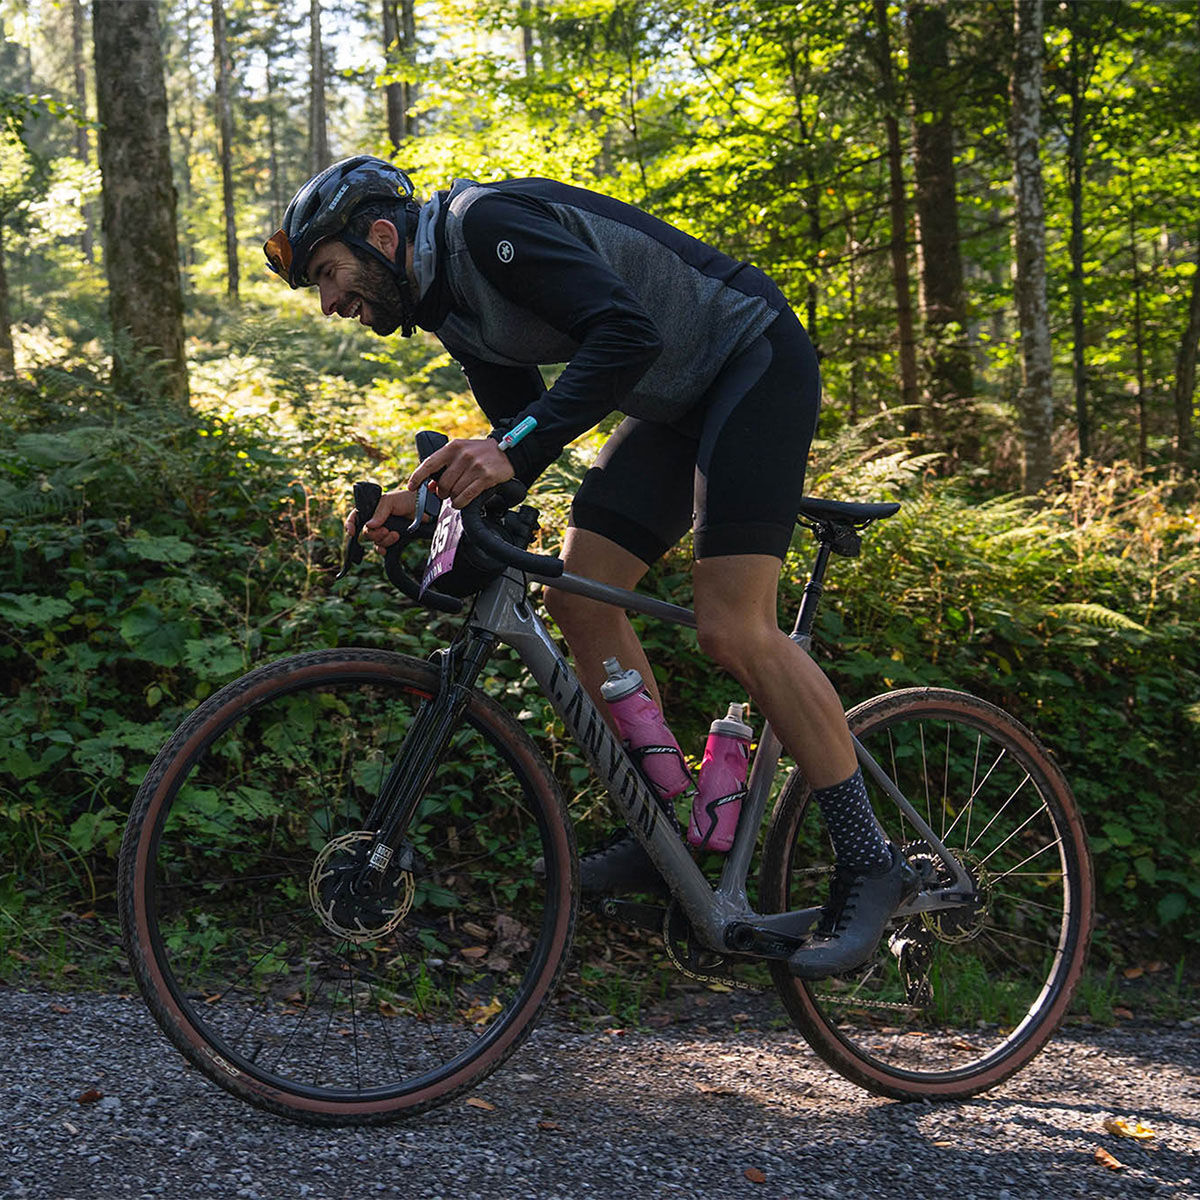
(321, 208)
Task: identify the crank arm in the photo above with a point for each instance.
(628, 912)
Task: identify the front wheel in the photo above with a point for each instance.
(956, 1000)
(246, 925)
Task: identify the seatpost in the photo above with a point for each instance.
(814, 589)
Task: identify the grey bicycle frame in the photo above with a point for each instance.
(503, 609)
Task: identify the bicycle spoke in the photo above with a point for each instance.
(1024, 901)
(1054, 845)
(956, 998)
(316, 987)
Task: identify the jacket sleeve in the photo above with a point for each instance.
(503, 393)
(565, 283)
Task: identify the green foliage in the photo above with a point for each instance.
(146, 557)
(1079, 615)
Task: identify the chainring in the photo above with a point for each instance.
(691, 960)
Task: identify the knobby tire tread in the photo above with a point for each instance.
(796, 995)
(174, 760)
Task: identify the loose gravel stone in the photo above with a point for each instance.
(592, 1114)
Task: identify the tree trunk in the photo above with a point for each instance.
(408, 32)
(526, 38)
(184, 117)
(82, 151)
(1075, 153)
(1139, 335)
(394, 91)
(1036, 398)
(1185, 367)
(141, 253)
(273, 146)
(949, 373)
(852, 297)
(812, 187)
(221, 66)
(899, 222)
(7, 363)
(1185, 375)
(318, 129)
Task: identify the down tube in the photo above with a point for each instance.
(521, 628)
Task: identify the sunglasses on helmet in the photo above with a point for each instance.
(278, 250)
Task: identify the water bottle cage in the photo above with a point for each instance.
(640, 753)
(710, 811)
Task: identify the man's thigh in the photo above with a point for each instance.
(639, 493)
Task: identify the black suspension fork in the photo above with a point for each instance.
(418, 757)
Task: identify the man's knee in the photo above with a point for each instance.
(722, 642)
(733, 642)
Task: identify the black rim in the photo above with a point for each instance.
(491, 1016)
(951, 998)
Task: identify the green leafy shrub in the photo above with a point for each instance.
(148, 556)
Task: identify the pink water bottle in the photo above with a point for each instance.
(722, 785)
(641, 725)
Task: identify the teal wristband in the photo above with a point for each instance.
(519, 431)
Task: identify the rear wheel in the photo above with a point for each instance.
(954, 1001)
(243, 919)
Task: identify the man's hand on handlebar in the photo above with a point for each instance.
(399, 503)
(465, 469)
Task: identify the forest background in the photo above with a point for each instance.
(987, 214)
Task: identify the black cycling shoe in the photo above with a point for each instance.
(620, 866)
(853, 919)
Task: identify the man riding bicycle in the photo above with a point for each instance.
(719, 387)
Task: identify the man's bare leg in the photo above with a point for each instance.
(596, 631)
(738, 627)
(736, 613)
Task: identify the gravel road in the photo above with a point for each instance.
(727, 1112)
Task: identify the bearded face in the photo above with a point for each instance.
(374, 293)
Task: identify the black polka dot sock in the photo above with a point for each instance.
(859, 843)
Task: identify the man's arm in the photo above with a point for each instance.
(503, 392)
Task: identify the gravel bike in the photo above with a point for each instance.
(332, 900)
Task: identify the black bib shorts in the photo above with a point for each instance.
(732, 468)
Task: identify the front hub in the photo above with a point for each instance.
(351, 898)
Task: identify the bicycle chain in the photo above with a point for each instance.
(887, 1005)
(702, 977)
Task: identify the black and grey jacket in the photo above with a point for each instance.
(529, 272)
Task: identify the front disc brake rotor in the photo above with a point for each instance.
(350, 901)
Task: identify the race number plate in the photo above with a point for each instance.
(445, 542)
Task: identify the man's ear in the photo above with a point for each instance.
(385, 237)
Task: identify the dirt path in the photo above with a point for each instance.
(720, 1114)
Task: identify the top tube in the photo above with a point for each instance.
(620, 597)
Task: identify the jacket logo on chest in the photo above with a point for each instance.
(504, 251)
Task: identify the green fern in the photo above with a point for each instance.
(1096, 614)
(17, 504)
